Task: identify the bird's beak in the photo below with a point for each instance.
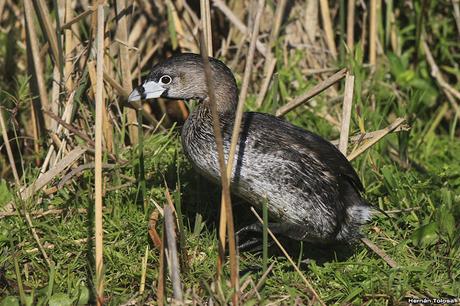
(149, 90)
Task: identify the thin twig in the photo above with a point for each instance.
(380, 252)
(8, 149)
(456, 12)
(260, 283)
(283, 110)
(296, 268)
(370, 135)
(237, 23)
(77, 18)
(36, 59)
(373, 33)
(240, 107)
(448, 90)
(100, 108)
(381, 133)
(205, 12)
(223, 170)
(125, 70)
(37, 239)
(161, 270)
(49, 30)
(52, 173)
(266, 82)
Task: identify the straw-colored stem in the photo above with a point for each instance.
(37, 239)
(437, 75)
(45, 16)
(351, 24)
(279, 13)
(125, 70)
(240, 107)
(238, 24)
(381, 133)
(8, 148)
(346, 113)
(328, 30)
(244, 87)
(311, 93)
(98, 155)
(69, 45)
(205, 11)
(266, 82)
(223, 171)
(373, 33)
(36, 59)
(161, 270)
(174, 268)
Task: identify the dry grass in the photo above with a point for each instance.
(64, 109)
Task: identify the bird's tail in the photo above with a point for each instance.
(356, 215)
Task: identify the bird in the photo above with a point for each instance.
(312, 192)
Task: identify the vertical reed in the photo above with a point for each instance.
(100, 108)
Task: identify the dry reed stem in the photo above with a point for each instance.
(240, 107)
(279, 13)
(174, 267)
(266, 82)
(380, 252)
(9, 152)
(311, 22)
(45, 178)
(161, 270)
(45, 17)
(100, 108)
(77, 18)
(369, 135)
(205, 14)
(237, 23)
(380, 134)
(456, 5)
(328, 30)
(183, 42)
(260, 283)
(36, 60)
(42, 213)
(296, 268)
(144, 261)
(311, 93)
(125, 70)
(448, 90)
(69, 46)
(373, 33)
(346, 113)
(351, 24)
(223, 171)
(37, 239)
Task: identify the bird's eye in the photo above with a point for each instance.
(165, 80)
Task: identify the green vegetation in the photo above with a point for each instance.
(413, 175)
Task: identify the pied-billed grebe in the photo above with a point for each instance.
(310, 187)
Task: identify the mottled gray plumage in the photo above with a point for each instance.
(310, 187)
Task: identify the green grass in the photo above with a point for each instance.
(423, 241)
(421, 232)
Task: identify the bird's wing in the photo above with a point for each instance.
(286, 138)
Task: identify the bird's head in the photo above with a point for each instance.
(183, 77)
